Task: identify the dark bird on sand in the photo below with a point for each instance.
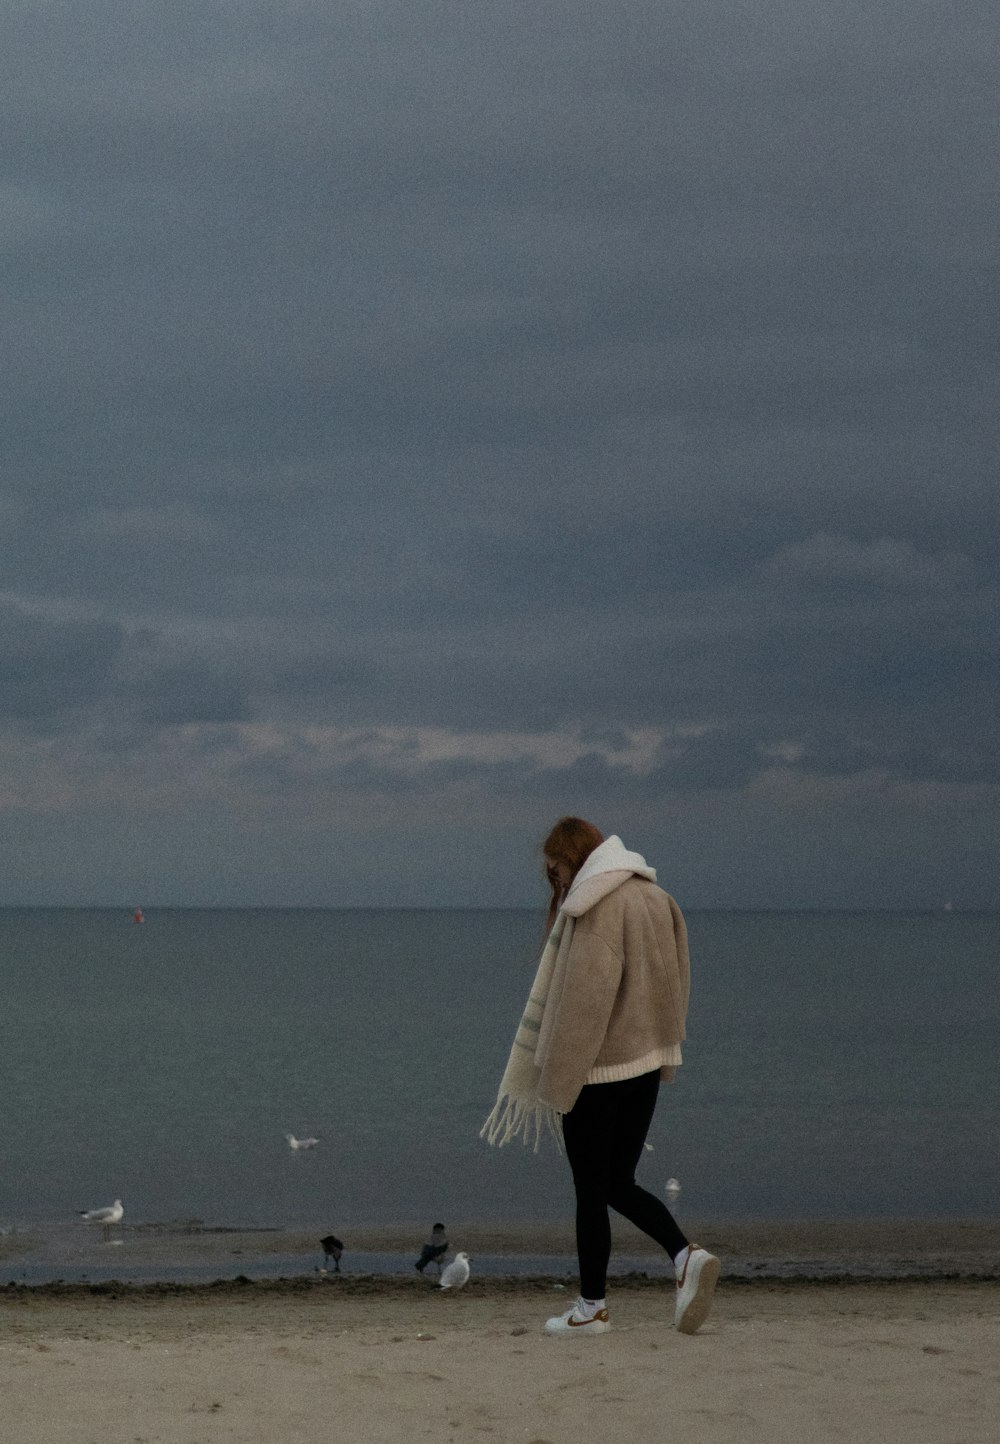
(332, 1249)
(434, 1250)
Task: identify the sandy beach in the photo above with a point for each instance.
(394, 1360)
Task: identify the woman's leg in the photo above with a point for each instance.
(588, 1136)
(604, 1134)
(636, 1105)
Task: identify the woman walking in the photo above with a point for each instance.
(603, 1025)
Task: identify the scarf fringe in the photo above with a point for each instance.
(527, 1117)
(518, 1109)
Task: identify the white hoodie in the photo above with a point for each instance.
(607, 867)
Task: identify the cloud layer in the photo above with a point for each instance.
(424, 420)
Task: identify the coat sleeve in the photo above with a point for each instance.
(582, 1011)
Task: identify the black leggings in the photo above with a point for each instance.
(604, 1133)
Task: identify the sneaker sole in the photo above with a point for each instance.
(579, 1330)
(700, 1306)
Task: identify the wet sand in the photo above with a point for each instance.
(194, 1252)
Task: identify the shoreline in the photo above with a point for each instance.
(538, 1235)
(259, 1291)
(195, 1256)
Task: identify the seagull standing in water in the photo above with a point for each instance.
(106, 1217)
(456, 1275)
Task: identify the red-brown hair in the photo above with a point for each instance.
(571, 841)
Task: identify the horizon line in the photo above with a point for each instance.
(804, 908)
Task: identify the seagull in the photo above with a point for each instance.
(434, 1250)
(332, 1249)
(456, 1275)
(296, 1144)
(671, 1188)
(105, 1216)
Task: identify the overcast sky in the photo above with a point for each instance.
(423, 420)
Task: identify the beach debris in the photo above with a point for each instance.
(433, 1250)
(333, 1249)
(298, 1144)
(456, 1275)
(648, 1147)
(106, 1217)
(671, 1188)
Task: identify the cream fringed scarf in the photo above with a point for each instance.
(519, 1109)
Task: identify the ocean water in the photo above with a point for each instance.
(838, 1066)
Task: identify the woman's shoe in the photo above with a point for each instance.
(577, 1321)
(695, 1286)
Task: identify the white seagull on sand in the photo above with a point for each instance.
(105, 1216)
(297, 1144)
(456, 1275)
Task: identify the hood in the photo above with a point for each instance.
(607, 867)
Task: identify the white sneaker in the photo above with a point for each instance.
(577, 1321)
(695, 1287)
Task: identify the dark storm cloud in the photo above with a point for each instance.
(233, 199)
(510, 376)
(52, 667)
(193, 694)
